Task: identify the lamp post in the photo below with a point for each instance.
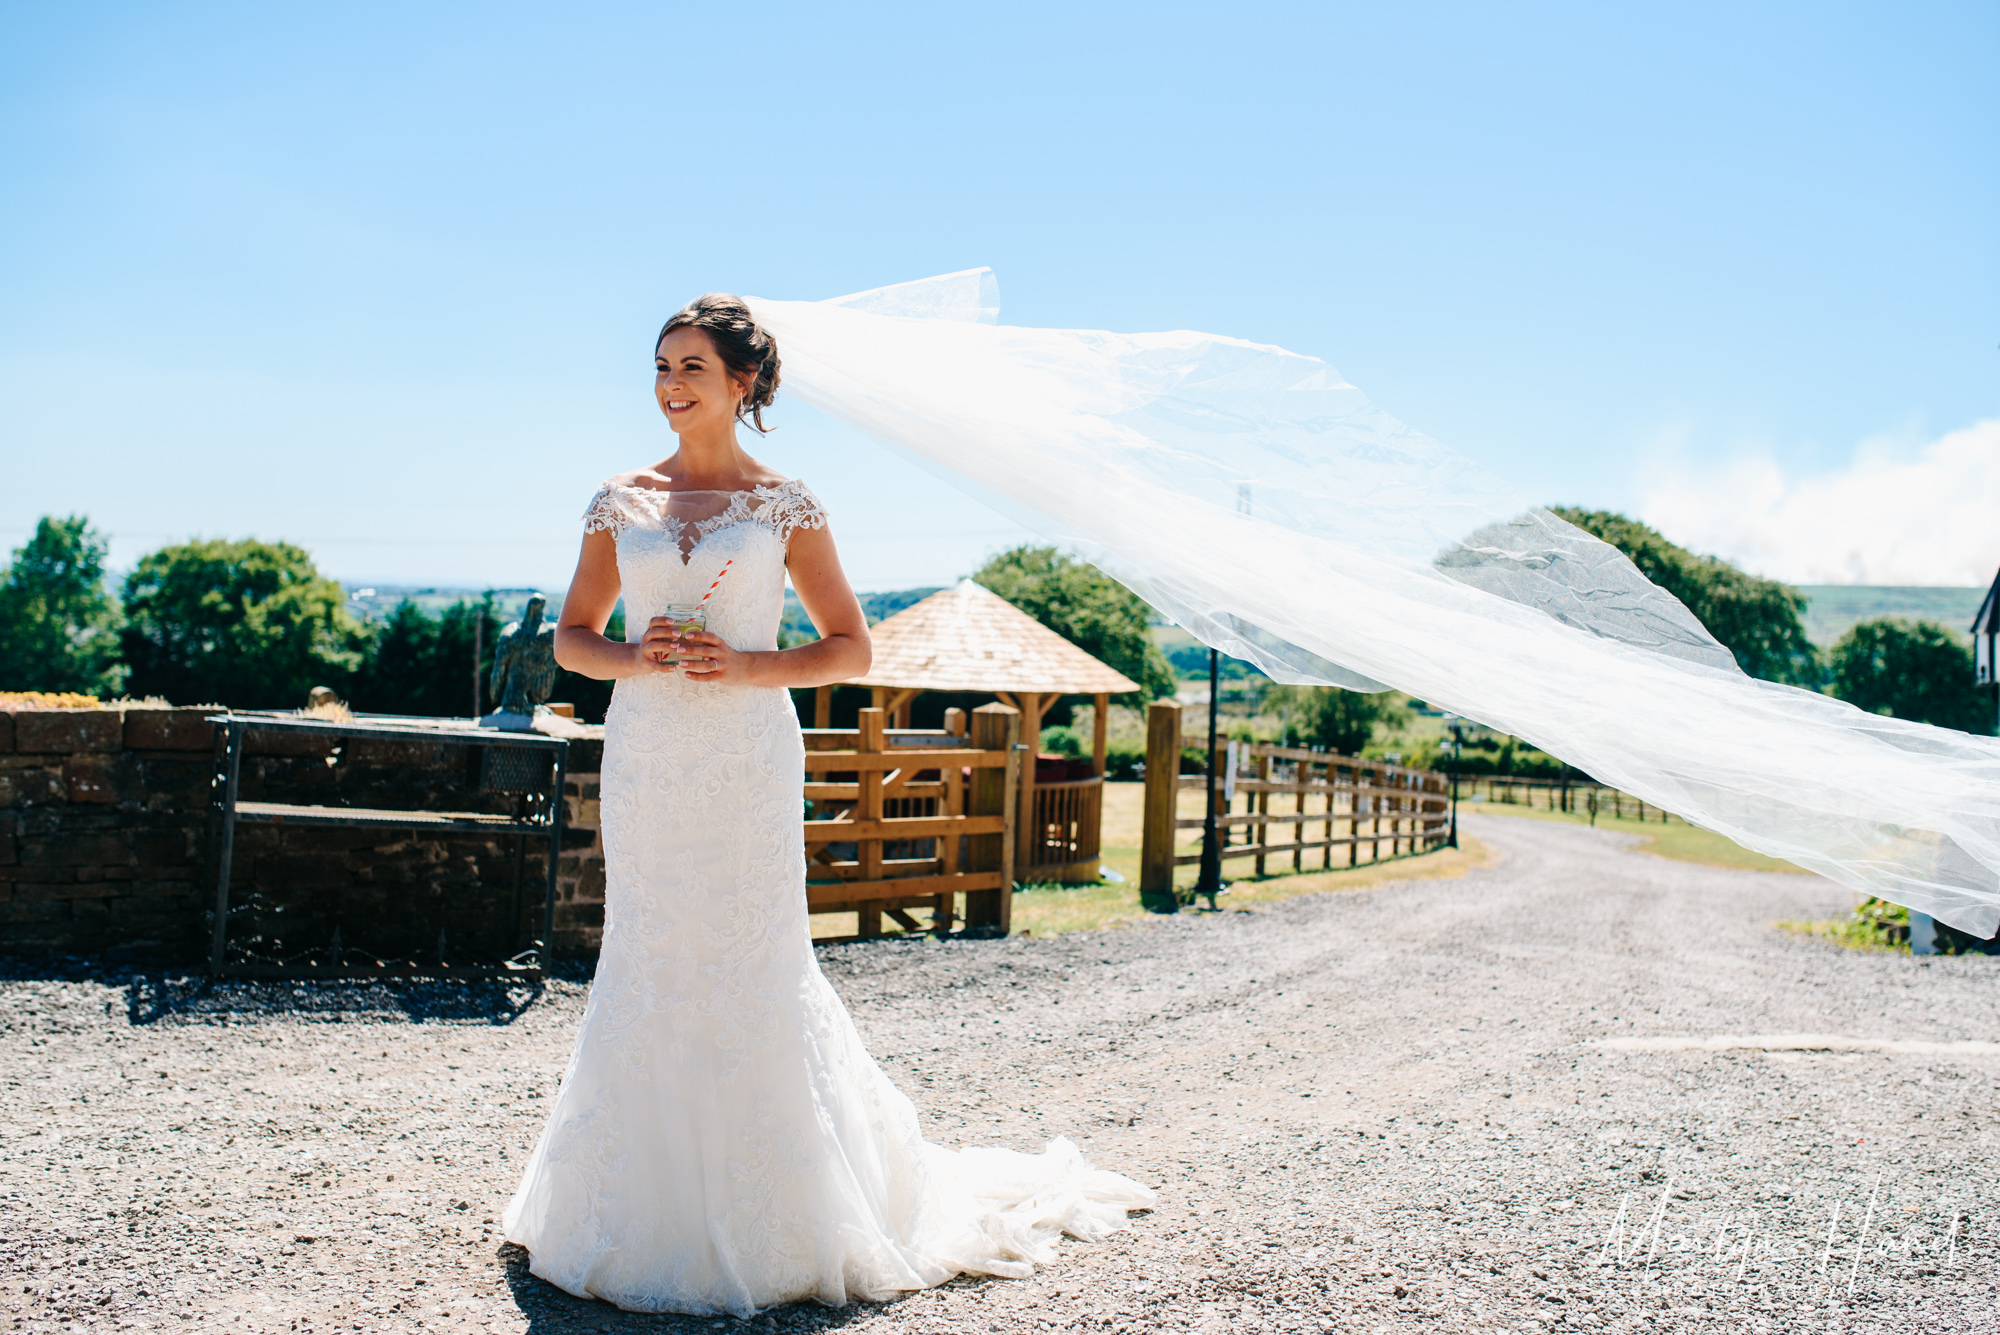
(1457, 726)
(1986, 639)
(1210, 881)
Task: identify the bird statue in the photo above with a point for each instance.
(524, 667)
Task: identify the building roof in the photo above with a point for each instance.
(971, 639)
(1987, 620)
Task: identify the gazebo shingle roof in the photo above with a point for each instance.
(971, 639)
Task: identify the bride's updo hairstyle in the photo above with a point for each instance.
(741, 343)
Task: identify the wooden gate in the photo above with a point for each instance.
(902, 819)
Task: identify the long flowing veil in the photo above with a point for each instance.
(1263, 503)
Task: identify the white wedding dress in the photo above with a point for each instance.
(722, 1142)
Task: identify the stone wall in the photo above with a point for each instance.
(104, 842)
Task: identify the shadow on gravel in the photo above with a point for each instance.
(171, 999)
(177, 996)
(551, 1311)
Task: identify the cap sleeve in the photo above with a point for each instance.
(608, 511)
(792, 505)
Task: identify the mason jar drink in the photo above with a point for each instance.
(682, 618)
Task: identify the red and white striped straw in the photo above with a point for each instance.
(718, 579)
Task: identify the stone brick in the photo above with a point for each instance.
(302, 873)
(159, 849)
(76, 850)
(22, 911)
(171, 897)
(91, 890)
(170, 729)
(8, 855)
(287, 744)
(73, 820)
(179, 785)
(91, 779)
(396, 752)
(43, 938)
(68, 730)
(6, 730)
(26, 875)
(580, 917)
(27, 781)
(589, 884)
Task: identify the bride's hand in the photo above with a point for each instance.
(656, 645)
(705, 657)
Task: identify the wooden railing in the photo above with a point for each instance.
(1069, 817)
(1355, 803)
(1576, 796)
(904, 820)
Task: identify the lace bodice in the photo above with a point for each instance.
(672, 545)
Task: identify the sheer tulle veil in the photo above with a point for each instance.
(1263, 503)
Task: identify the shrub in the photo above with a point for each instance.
(1913, 670)
(1061, 740)
(1124, 762)
(1341, 721)
(58, 623)
(249, 624)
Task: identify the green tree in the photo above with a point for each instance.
(58, 623)
(248, 624)
(422, 664)
(1760, 621)
(1916, 670)
(1085, 606)
(1341, 721)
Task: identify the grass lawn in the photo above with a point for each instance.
(1850, 932)
(1676, 839)
(1052, 910)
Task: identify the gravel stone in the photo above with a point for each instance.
(1379, 1110)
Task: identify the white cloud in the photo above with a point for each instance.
(1889, 518)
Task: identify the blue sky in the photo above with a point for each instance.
(382, 279)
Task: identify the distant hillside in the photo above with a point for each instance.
(1189, 657)
(373, 604)
(881, 605)
(797, 627)
(1835, 607)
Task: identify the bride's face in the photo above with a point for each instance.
(695, 390)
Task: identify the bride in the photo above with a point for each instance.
(722, 1141)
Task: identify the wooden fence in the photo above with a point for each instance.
(905, 819)
(1354, 803)
(1577, 795)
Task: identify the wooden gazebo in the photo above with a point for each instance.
(969, 638)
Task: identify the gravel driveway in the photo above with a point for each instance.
(1384, 1110)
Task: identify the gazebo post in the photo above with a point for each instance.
(1033, 705)
(1098, 741)
(823, 707)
